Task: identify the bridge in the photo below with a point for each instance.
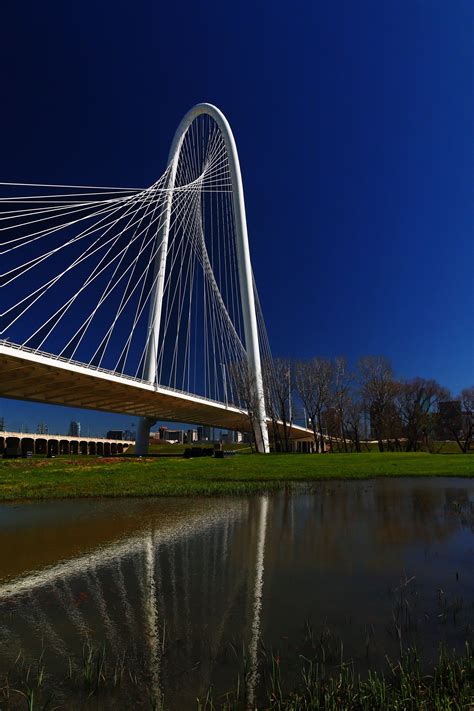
(62, 444)
(141, 301)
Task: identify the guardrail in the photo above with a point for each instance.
(116, 374)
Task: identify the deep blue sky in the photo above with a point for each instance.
(354, 123)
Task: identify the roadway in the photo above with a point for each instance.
(29, 375)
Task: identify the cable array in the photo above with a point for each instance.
(78, 271)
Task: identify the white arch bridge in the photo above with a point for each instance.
(140, 301)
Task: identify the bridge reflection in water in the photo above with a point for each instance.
(166, 575)
(188, 587)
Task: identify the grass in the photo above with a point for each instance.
(320, 683)
(328, 687)
(239, 475)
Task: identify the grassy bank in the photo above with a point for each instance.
(82, 477)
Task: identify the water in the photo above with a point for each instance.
(187, 589)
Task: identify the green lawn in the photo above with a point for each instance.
(58, 478)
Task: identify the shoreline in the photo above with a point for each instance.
(65, 478)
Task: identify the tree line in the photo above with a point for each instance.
(347, 408)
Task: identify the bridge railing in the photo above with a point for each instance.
(116, 374)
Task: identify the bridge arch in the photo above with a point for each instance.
(41, 445)
(249, 316)
(27, 445)
(53, 447)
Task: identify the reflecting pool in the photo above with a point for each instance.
(184, 594)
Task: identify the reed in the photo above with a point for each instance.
(321, 679)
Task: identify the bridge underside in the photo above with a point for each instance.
(39, 378)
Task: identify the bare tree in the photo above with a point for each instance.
(354, 418)
(244, 385)
(378, 391)
(313, 384)
(394, 424)
(332, 425)
(270, 402)
(417, 402)
(467, 402)
(457, 419)
(281, 401)
(341, 387)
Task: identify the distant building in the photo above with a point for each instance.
(115, 434)
(452, 420)
(191, 436)
(74, 429)
(167, 435)
(2, 424)
(231, 437)
(128, 434)
(42, 428)
(205, 433)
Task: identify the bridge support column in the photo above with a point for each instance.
(143, 436)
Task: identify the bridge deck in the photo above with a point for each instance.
(26, 375)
